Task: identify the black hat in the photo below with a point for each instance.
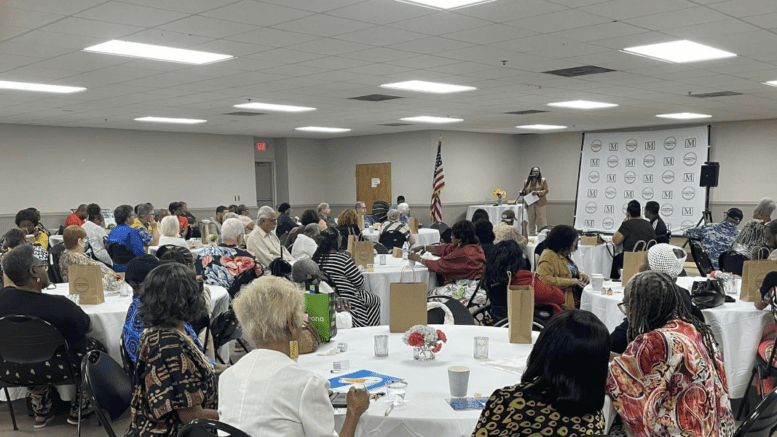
(139, 268)
(735, 213)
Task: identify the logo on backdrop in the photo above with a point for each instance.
(631, 145)
(609, 209)
(590, 207)
(668, 161)
(613, 147)
(686, 224)
(688, 211)
(649, 161)
(608, 223)
(612, 161)
(667, 210)
(630, 177)
(647, 193)
(628, 194)
(647, 179)
(670, 143)
(589, 223)
(591, 194)
(690, 142)
(668, 177)
(688, 177)
(631, 162)
(689, 193)
(650, 145)
(667, 194)
(593, 177)
(610, 178)
(594, 162)
(689, 159)
(610, 192)
(596, 145)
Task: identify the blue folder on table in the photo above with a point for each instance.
(336, 382)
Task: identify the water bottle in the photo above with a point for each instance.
(405, 248)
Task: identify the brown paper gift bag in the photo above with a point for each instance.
(87, 281)
(361, 221)
(753, 273)
(396, 252)
(412, 223)
(360, 251)
(520, 311)
(632, 260)
(407, 303)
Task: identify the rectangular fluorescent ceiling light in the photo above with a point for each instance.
(771, 83)
(683, 116)
(171, 120)
(158, 53)
(446, 4)
(427, 87)
(428, 119)
(328, 130)
(27, 86)
(582, 104)
(272, 107)
(541, 127)
(679, 51)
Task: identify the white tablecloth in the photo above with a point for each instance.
(379, 281)
(426, 413)
(737, 327)
(495, 212)
(423, 237)
(590, 259)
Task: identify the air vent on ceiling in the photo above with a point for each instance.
(245, 113)
(396, 124)
(375, 97)
(718, 94)
(527, 112)
(579, 71)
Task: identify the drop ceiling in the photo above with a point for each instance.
(323, 53)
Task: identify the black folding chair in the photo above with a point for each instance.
(129, 366)
(55, 253)
(381, 249)
(209, 428)
(731, 261)
(763, 421)
(27, 341)
(379, 211)
(108, 387)
(538, 249)
(392, 239)
(224, 328)
(700, 257)
(445, 231)
(120, 254)
(239, 281)
(461, 315)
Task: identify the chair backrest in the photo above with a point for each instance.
(107, 386)
(129, 366)
(763, 421)
(55, 253)
(240, 280)
(379, 211)
(225, 328)
(538, 252)
(700, 257)
(30, 341)
(445, 231)
(283, 238)
(209, 428)
(120, 254)
(461, 315)
(162, 249)
(731, 261)
(392, 239)
(381, 249)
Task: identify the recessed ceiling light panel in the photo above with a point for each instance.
(155, 52)
(428, 87)
(273, 107)
(541, 127)
(683, 116)
(27, 86)
(429, 119)
(679, 51)
(328, 130)
(446, 4)
(171, 120)
(582, 104)
(771, 83)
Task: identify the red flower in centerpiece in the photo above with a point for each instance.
(442, 336)
(415, 339)
(437, 348)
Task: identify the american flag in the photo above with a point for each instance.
(437, 185)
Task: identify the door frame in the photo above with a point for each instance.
(273, 177)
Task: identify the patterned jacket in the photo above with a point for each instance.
(715, 238)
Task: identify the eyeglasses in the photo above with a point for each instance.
(623, 306)
(45, 266)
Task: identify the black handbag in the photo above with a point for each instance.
(280, 267)
(709, 294)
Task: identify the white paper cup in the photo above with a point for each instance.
(458, 379)
(596, 281)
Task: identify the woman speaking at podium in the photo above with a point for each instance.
(536, 185)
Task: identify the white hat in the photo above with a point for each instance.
(662, 258)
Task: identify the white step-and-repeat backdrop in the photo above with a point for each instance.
(663, 166)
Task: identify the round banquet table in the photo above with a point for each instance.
(426, 413)
(590, 259)
(737, 327)
(422, 238)
(108, 321)
(379, 281)
(495, 212)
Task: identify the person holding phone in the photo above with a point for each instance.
(537, 185)
(28, 221)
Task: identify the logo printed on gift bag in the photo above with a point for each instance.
(80, 286)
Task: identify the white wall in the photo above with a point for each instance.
(57, 168)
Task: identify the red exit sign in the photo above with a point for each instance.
(261, 147)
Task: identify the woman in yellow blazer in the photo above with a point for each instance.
(536, 184)
(556, 267)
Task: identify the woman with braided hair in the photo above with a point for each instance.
(671, 378)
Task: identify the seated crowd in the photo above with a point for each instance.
(648, 366)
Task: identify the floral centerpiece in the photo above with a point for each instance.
(213, 239)
(425, 340)
(499, 194)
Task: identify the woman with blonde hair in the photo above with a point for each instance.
(169, 228)
(74, 238)
(267, 393)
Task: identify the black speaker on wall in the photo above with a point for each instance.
(709, 174)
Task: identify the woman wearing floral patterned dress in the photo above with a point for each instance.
(219, 265)
(671, 379)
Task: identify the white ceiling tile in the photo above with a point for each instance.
(205, 26)
(571, 50)
(766, 21)
(285, 56)
(380, 54)
(56, 39)
(440, 23)
(92, 28)
(563, 20)
(379, 69)
(80, 61)
(187, 6)
(110, 76)
(431, 45)
(26, 18)
(54, 6)
(599, 31)
(381, 11)
(248, 64)
(380, 36)
(294, 70)
(333, 63)
(233, 48)
(502, 11)
(634, 40)
(623, 9)
(489, 34)
(328, 46)
(257, 14)
(710, 29)
(167, 38)
(34, 50)
(533, 43)
(133, 15)
(746, 8)
(273, 37)
(464, 68)
(683, 17)
(314, 6)
(8, 32)
(324, 25)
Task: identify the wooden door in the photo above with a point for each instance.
(373, 182)
(264, 184)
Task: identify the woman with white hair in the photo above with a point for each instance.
(267, 393)
(662, 258)
(220, 265)
(169, 227)
(263, 241)
(751, 239)
(305, 245)
(404, 212)
(393, 223)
